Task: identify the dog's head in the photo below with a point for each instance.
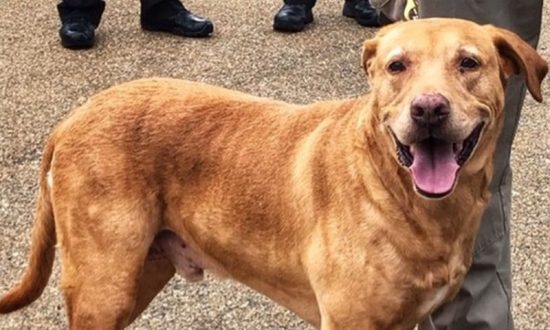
(438, 88)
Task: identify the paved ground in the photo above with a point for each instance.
(40, 82)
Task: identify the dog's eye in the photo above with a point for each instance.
(468, 63)
(396, 67)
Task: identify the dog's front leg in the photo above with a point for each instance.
(359, 322)
(344, 311)
(347, 303)
(346, 322)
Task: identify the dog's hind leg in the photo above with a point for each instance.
(167, 255)
(157, 271)
(105, 244)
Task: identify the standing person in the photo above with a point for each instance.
(484, 301)
(294, 15)
(80, 18)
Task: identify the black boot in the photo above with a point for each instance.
(294, 15)
(362, 11)
(172, 17)
(77, 34)
(79, 19)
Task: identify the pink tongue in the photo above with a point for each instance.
(434, 166)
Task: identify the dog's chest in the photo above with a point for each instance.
(449, 276)
(433, 299)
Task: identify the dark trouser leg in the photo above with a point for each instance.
(484, 301)
(308, 3)
(90, 10)
(160, 8)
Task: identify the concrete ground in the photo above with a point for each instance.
(40, 82)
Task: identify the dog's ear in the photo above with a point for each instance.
(518, 57)
(369, 51)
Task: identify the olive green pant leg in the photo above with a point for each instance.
(484, 301)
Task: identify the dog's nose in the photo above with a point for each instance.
(430, 109)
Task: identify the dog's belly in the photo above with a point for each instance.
(191, 264)
(185, 259)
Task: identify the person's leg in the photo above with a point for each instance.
(294, 15)
(91, 10)
(172, 17)
(484, 301)
(395, 10)
(79, 19)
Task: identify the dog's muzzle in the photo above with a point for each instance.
(434, 163)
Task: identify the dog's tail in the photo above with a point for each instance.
(42, 251)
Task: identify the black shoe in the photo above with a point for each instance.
(184, 23)
(362, 12)
(77, 34)
(293, 17)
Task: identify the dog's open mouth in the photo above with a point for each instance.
(434, 163)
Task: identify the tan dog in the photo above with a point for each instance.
(355, 214)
